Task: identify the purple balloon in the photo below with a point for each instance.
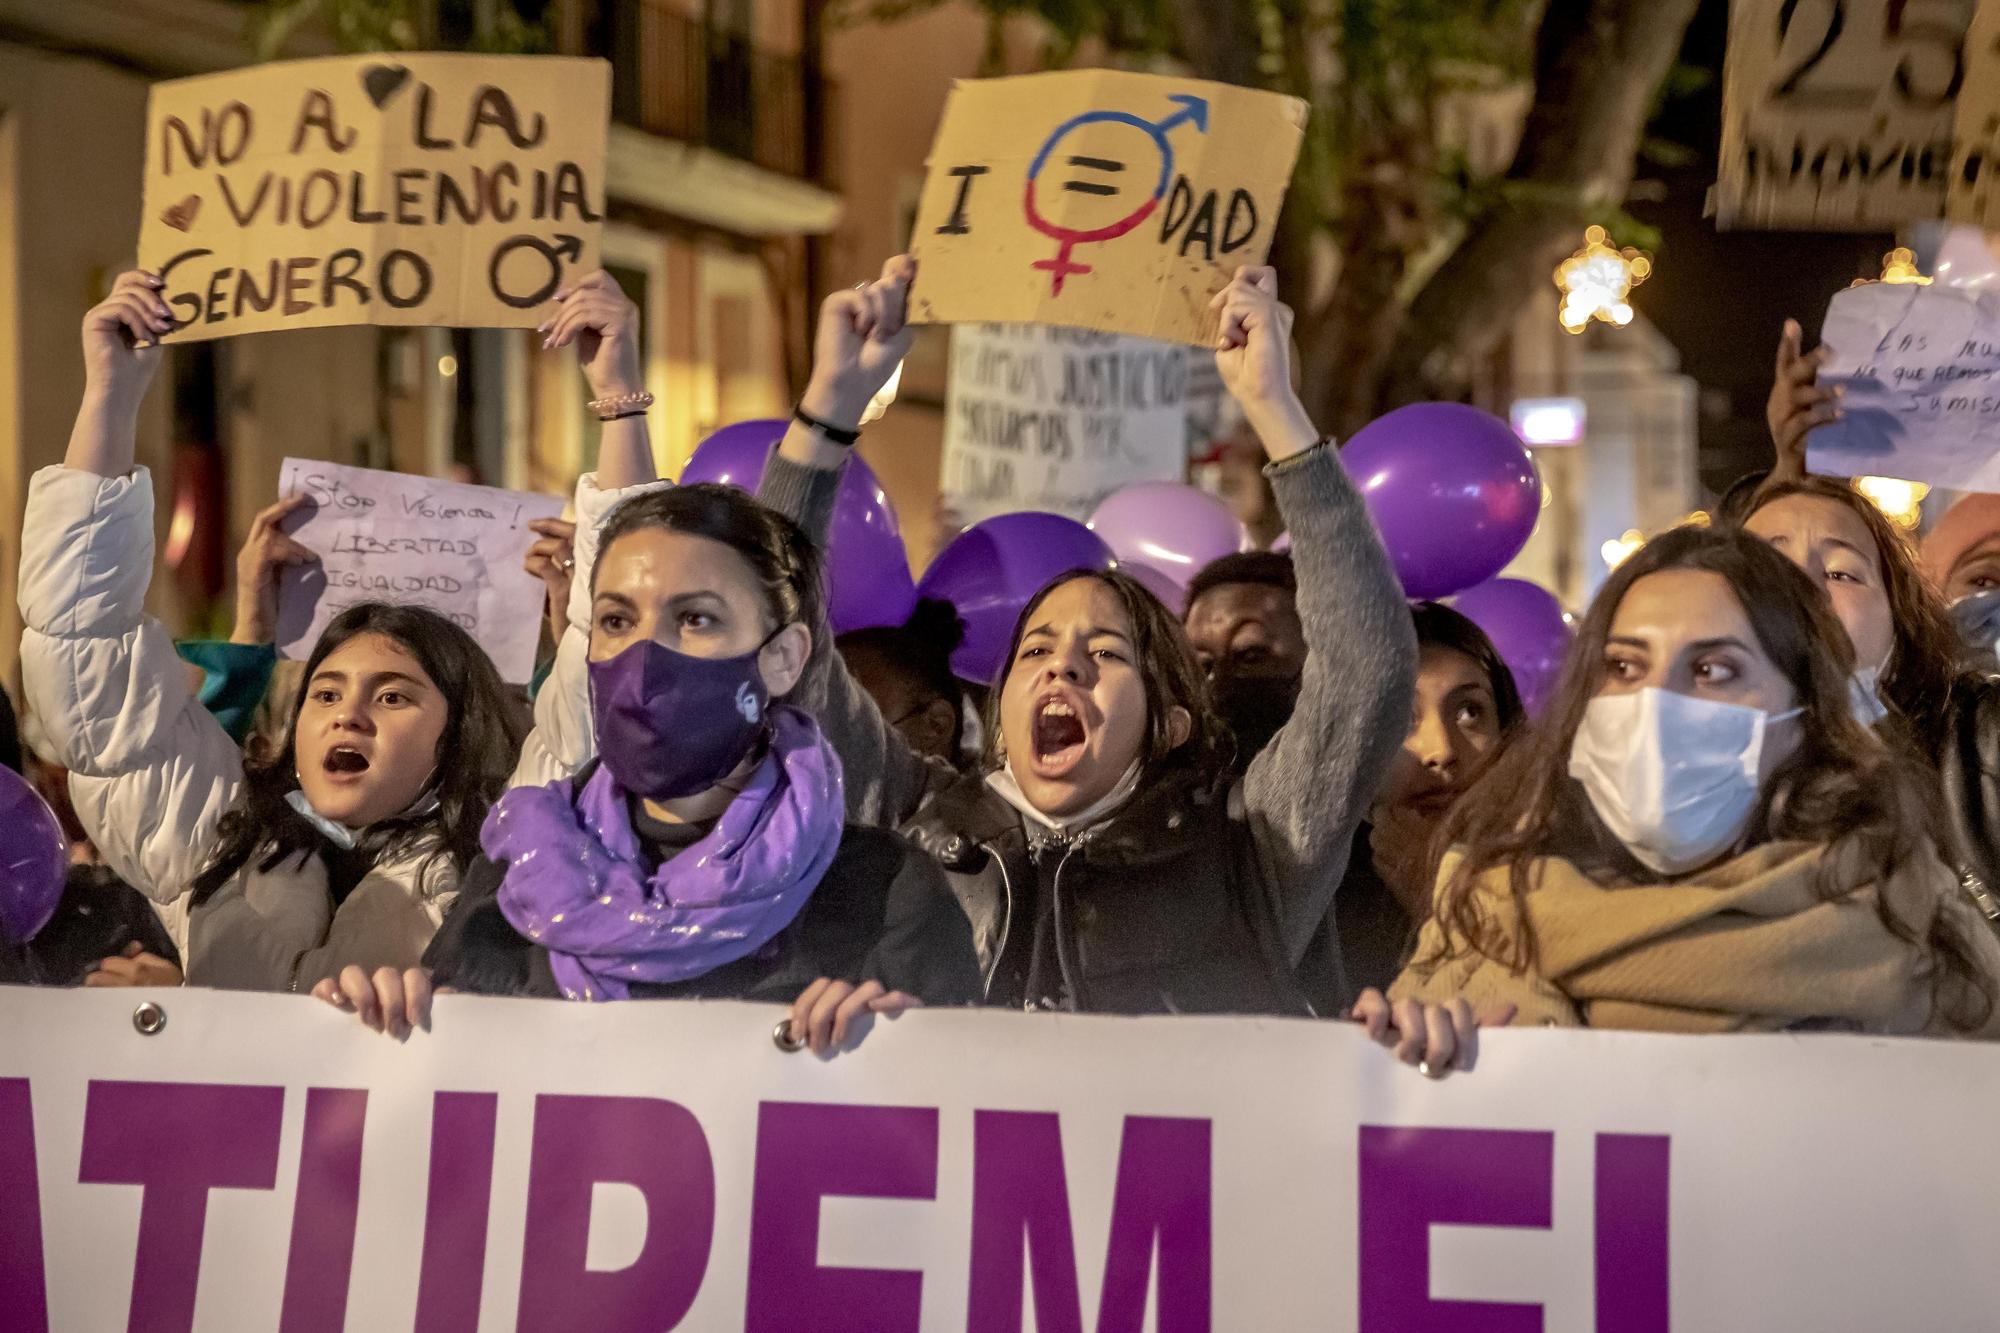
(1163, 586)
(34, 859)
(868, 571)
(989, 572)
(1452, 490)
(1528, 630)
(1170, 527)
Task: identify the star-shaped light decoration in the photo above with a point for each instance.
(1596, 281)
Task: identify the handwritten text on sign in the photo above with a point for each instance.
(535, 1165)
(415, 189)
(386, 537)
(1920, 372)
(1056, 419)
(1858, 115)
(1099, 199)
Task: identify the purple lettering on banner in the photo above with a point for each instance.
(177, 1141)
(805, 1152)
(1414, 1179)
(650, 1143)
(1020, 1195)
(23, 1293)
(322, 1253)
(455, 1207)
(1020, 1200)
(1632, 1276)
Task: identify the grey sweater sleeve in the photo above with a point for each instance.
(886, 780)
(1310, 788)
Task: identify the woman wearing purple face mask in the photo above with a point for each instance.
(704, 854)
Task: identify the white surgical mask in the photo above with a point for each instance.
(344, 837)
(1673, 777)
(1864, 695)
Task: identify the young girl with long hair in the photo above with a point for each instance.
(346, 847)
(1700, 837)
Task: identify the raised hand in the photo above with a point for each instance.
(1797, 402)
(266, 551)
(1253, 354)
(863, 336)
(121, 348)
(603, 323)
(552, 559)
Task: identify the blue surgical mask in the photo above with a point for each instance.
(1675, 778)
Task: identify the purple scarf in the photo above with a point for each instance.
(575, 885)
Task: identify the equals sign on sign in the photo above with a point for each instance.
(1093, 164)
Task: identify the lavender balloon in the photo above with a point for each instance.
(868, 571)
(34, 859)
(1171, 528)
(1452, 491)
(989, 572)
(1169, 590)
(1528, 630)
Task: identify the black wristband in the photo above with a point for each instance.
(629, 412)
(834, 433)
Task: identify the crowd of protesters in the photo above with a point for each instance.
(1764, 797)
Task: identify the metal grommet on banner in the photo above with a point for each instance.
(781, 1036)
(149, 1018)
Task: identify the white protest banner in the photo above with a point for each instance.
(388, 537)
(1041, 417)
(418, 188)
(1919, 371)
(263, 1162)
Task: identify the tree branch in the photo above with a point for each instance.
(1598, 65)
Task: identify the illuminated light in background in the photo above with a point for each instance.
(447, 365)
(1900, 265)
(1596, 281)
(1619, 549)
(1901, 500)
(1547, 421)
(883, 397)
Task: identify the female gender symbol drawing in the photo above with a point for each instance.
(1192, 108)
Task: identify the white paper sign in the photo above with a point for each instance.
(388, 537)
(1040, 417)
(1920, 370)
(264, 1162)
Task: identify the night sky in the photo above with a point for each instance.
(1721, 297)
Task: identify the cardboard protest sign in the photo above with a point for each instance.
(1038, 417)
(417, 188)
(1099, 199)
(387, 537)
(1858, 115)
(1920, 372)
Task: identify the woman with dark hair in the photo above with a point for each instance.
(346, 848)
(1700, 837)
(704, 853)
(1911, 661)
(1465, 708)
(1108, 859)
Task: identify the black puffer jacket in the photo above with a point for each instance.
(1969, 769)
(1159, 910)
(881, 913)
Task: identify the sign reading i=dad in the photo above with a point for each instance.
(417, 189)
(1099, 199)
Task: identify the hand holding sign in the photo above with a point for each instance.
(863, 336)
(266, 552)
(121, 336)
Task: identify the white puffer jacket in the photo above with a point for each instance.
(565, 736)
(152, 773)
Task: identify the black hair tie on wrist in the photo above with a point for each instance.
(845, 438)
